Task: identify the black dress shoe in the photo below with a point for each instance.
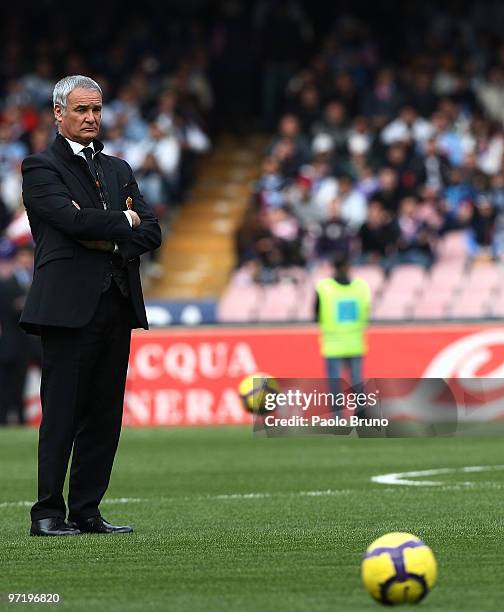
(53, 526)
(97, 524)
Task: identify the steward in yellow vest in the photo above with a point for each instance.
(342, 311)
(343, 315)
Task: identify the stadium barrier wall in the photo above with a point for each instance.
(190, 376)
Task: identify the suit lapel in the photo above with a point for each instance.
(73, 165)
(82, 175)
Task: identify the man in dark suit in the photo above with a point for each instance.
(17, 350)
(90, 225)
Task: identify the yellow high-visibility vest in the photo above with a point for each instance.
(343, 317)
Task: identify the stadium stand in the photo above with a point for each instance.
(316, 136)
(449, 290)
(209, 219)
(397, 162)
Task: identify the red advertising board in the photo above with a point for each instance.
(190, 376)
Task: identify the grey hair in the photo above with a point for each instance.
(66, 85)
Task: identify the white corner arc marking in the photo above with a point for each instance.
(404, 478)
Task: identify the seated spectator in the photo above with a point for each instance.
(323, 147)
(289, 157)
(12, 150)
(481, 237)
(165, 112)
(289, 129)
(115, 144)
(416, 241)
(39, 84)
(190, 81)
(5, 216)
(353, 204)
(285, 230)
(308, 107)
(378, 235)
(360, 136)
(470, 172)
(38, 139)
(490, 93)
(407, 165)
(408, 128)
(448, 139)
(456, 202)
(419, 93)
(346, 91)
(323, 186)
(358, 156)
(333, 123)
(389, 191)
(126, 110)
(270, 179)
(250, 230)
(193, 143)
(165, 148)
(11, 191)
(436, 167)
(496, 191)
(257, 248)
(445, 79)
(334, 235)
(489, 149)
(382, 103)
(303, 205)
(152, 186)
(367, 181)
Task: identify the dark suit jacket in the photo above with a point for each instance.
(68, 277)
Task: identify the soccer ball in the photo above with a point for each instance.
(253, 391)
(398, 568)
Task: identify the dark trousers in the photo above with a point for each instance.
(82, 392)
(334, 366)
(12, 383)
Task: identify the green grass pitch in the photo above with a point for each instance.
(225, 521)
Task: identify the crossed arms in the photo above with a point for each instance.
(48, 198)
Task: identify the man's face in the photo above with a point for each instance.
(80, 120)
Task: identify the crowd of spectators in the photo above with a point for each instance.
(156, 115)
(379, 157)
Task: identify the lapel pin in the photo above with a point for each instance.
(129, 203)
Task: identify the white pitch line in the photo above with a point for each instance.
(16, 504)
(293, 494)
(222, 497)
(402, 478)
(265, 495)
(118, 500)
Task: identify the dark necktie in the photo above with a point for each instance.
(88, 152)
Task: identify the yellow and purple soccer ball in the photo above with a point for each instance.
(256, 390)
(399, 568)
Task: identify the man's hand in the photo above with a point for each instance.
(134, 217)
(99, 245)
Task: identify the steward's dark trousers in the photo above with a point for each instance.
(82, 391)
